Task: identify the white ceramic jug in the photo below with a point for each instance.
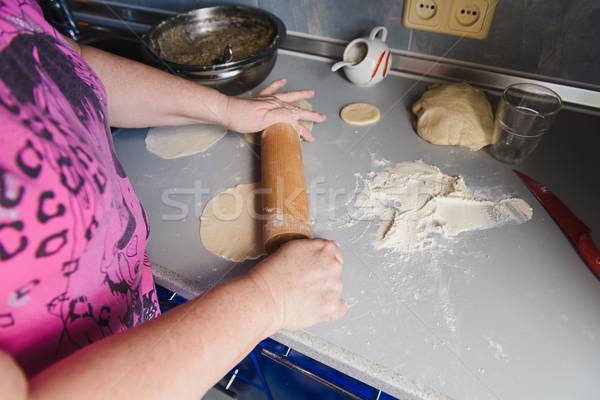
(366, 61)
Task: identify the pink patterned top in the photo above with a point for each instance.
(72, 232)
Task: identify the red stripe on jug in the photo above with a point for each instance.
(387, 59)
(378, 64)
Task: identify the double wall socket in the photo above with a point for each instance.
(470, 18)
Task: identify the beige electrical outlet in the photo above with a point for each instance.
(470, 18)
(424, 12)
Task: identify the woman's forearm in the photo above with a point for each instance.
(178, 355)
(186, 350)
(142, 96)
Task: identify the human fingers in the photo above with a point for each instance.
(273, 87)
(338, 308)
(303, 132)
(339, 254)
(304, 277)
(293, 115)
(335, 250)
(333, 306)
(295, 95)
(308, 115)
(298, 114)
(287, 97)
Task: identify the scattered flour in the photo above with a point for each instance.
(417, 203)
(497, 349)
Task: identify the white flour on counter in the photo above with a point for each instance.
(417, 204)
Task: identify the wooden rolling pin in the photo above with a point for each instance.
(284, 200)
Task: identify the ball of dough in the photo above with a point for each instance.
(456, 114)
(360, 114)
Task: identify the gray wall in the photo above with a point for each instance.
(555, 38)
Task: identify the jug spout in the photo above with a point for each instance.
(341, 64)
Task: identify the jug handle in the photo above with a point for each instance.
(376, 30)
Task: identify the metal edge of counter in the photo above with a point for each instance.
(359, 368)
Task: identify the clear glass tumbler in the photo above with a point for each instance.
(525, 113)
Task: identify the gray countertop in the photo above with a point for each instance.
(504, 313)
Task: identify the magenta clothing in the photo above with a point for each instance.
(72, 231)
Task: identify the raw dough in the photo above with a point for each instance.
(180, 141)
(231, 226)
(360, 114)
(254, 137)
(456, 114)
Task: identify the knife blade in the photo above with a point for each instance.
(576, 230)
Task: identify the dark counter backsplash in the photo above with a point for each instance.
(554, 38)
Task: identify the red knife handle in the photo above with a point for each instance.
(589, 252)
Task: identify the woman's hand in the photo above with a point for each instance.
(247, 115)
(303, 279)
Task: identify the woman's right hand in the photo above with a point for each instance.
(303, 279)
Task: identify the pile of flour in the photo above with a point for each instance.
(417, 204)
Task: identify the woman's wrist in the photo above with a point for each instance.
(204, 105)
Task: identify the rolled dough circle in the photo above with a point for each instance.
(230, 225)
(180, 141)
(360, 114)
(254, 137)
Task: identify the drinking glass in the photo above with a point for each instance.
(525, 113)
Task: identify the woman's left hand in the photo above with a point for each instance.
(247, 115)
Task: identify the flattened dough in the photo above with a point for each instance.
(230, 225)
(254, 137)
(360, 114)
(180, 141)
(456, 114)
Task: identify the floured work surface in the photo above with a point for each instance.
(473, 316)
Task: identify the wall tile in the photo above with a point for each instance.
(341, 19)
